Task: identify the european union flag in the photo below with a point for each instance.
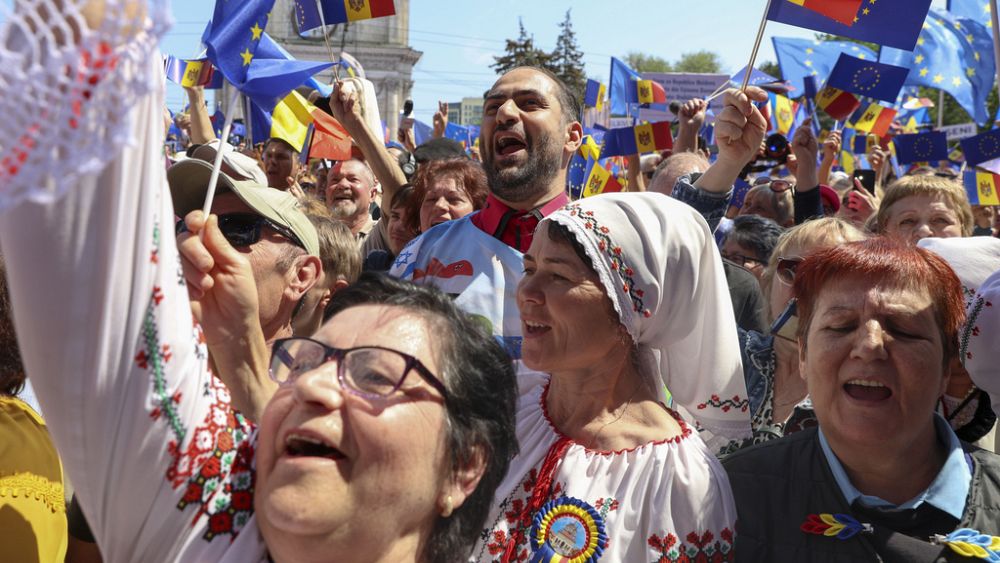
(232, 36)
(799, 58)
(867, 78)
(458, 133)
(274, 73)
(576, 176)
(977, 10)
(422, 132)
(622, 82)
(952, 54)
(922, 147)
(982, 147)
(895, 23)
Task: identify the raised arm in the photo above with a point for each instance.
(201, 122)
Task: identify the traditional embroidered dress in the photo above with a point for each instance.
(663, 501)
(161, 464)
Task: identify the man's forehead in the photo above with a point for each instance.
(522, 80)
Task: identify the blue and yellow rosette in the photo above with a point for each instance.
(567, 530)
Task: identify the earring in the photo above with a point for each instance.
(448, 507)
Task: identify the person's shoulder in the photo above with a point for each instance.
(770, 458)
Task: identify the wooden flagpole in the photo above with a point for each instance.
(756, 45)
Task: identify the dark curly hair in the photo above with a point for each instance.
(11, 368)
(481, 401)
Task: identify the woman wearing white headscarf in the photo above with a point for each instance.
(624, 304)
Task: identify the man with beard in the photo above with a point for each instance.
(530, 131)
(350, 188)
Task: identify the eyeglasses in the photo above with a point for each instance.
(786, 269)
(244, 229)
(371, 372)
(742, 260)
(777, 186)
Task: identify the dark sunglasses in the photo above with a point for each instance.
(244, 229)
(777, 186)
(786, 269)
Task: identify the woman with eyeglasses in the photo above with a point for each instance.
(383, 443)
(779, 402)
(625, 310)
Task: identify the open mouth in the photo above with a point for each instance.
(509, 145)
(303, 446)
(535, 329)
(867, 390)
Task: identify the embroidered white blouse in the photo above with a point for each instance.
(162, 466)
(663, 501)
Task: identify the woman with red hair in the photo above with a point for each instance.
(444, 190)
(882, 477)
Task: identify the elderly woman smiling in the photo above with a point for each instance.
(622, 295)
(883, 478)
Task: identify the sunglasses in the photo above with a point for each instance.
(777, 186)
(245, 229)
(786, 269)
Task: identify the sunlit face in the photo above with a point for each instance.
(280, 164)
(374, 462)
(873, 361)
(264, 256)
(567, 320)
(522, 136)
(350, 188)
(921, 216)
(444, 201)
(759, 202)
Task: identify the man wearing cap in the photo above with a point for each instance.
(259, 227)
(235, 164)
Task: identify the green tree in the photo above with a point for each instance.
(641, 62)
(770, 67)
(522, 52)
(701, 61)
(567, 59)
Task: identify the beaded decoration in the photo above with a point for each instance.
(840, 526)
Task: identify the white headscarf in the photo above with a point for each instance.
(660, 266)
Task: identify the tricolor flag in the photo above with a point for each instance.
(648, 137)
(782, 113)
(843, 11)
(876, 120)
(837, 103)
(981, 186)
(192, 72)
(307, 12)
(594, 95)
(600, 180)
(650, 92)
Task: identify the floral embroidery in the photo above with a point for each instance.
(698, 549)
(726, 404)
(971, 329)
(606, 505)
(153, 357)
(605, 244)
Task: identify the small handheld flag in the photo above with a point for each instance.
(307, 14)
(876, 119)
(190, 73)
(594, 95)
(895, 23)
(867, 78)
(837, 103)
(843, 11)
(600, 180)
(981, 187)
(922, 147)
(648, 137)
(981, 148)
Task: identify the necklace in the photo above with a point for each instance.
(617, 418)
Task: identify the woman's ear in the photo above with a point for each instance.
(462, 483)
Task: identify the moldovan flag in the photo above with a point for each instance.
(782, 114)
(600, 181)
(981, 186)
(340, 11)
(876, 120)
(650, 92)
(838, 104)
(594, 95)
(843, 11)
(648, 137)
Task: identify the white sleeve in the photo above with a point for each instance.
(107, 337)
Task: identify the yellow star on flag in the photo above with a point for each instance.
(956, 81)
(938, 79)
(920, 41)
(923, 72)
(865, 12)
(247, 57)
(918, 59)
(970, 72)
(256, 31)
(809, 51)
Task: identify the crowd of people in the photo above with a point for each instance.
(427, 353)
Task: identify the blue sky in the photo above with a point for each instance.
(459, 38)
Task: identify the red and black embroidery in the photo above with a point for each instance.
(699, 548)
(726, 405)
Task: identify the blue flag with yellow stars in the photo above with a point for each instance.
(921, 147)
(952, 54)
(867, 78)
(978, 10)
(799, 58)
(982, 147)
(895, 23)
(232, 36)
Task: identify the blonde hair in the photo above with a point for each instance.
(948, 190)
(338, 249)
(815, 234)
(783, 202)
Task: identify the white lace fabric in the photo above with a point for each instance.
(67, 88)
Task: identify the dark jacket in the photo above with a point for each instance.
(778, 484)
